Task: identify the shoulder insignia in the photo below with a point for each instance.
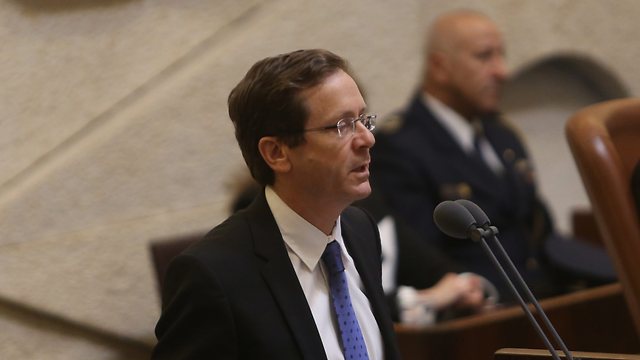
(509, 156)
(525, 169)
(455, 191)
(390, 124)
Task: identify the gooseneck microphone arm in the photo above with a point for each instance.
(457, 220)
(481, 218)
(524, 306)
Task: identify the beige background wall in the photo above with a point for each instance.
(114, 132)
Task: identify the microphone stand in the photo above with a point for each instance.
(479, 234)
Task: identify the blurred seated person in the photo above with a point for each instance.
(450, 143)
(421, 286)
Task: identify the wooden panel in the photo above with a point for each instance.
(535, 354)
(584, 227)
(594, 320)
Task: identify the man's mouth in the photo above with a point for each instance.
(362, 168)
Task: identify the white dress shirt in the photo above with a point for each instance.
(305, 244)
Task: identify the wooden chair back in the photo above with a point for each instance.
(605, 142)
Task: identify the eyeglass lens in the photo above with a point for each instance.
(344, 129)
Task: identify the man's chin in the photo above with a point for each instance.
(362, 191)
(490, 107)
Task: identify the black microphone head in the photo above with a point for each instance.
(453, 219)
(479, 216)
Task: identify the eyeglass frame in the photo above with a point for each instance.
(368, 120)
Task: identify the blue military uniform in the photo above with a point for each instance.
(416, 164)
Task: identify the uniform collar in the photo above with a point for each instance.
(459, 128)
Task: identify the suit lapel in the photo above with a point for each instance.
(281, 278)
(514, 178)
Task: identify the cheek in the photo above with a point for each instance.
(467, 80)
(477, 86)
(325, 159)
(469, 87)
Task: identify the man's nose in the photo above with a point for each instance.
(363, 136)
(500, 70)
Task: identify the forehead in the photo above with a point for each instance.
(476, 32)
(337, 95)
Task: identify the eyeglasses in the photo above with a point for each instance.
(347, 126)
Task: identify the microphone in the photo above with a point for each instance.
(479, 216)
(483, 220)
(464, 219)
(454, 220)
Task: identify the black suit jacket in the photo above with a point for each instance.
(235, 294)
(416, 163)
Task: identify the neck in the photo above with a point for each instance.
(320, 213)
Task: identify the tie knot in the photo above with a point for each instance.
(332, 258)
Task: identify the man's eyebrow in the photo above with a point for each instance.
(350, 113)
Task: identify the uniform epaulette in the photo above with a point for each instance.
(390, 124)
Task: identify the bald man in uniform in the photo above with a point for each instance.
(450, 143)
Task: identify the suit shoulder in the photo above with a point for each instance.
(354, 212)
(224, 238)
(358, 217)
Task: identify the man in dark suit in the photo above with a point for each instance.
(261, 284)
(420, 285)
(450, 143)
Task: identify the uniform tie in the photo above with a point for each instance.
(353, 345)
(483, 151)
(478, 140)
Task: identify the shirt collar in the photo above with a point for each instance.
(461, 129)
(300, 236)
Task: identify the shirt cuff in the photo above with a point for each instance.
(413, 311)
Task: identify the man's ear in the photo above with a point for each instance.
(274, 153)
(438, 66)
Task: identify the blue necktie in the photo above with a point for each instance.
(353, 345)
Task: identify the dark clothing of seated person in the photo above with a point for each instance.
(451, 143)
(422, 286)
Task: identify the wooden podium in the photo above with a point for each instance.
(595, 320)
(534, 354)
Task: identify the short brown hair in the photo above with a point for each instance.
(266, 102)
